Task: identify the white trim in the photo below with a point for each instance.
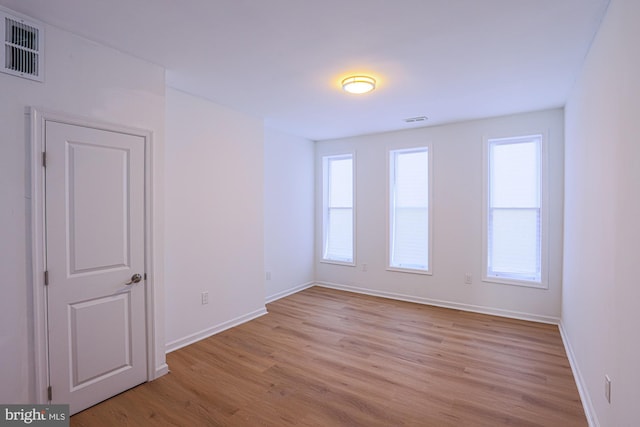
(587, 404)
(288, 292)
(323, 193)
(544, 210)
(513, 282)
(336, 262)
(38, 260)
(161, 370)
(153, 371)
(429, 149)
(446, 304)
(206, 333)
(38, 118)
(409, 270)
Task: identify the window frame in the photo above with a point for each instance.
(390, 157)
(325, 158)
(544, 211)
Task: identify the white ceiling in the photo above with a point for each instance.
(282, 60)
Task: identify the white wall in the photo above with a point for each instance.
(85, 79)
(457, 218)
(601, 295)
(214, 218)
(288, 213)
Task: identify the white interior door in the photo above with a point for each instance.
(94, 198)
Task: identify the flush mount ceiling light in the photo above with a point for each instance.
(359, 84)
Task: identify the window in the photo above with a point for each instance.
(409, 216)
(337, 207)
(514, 211)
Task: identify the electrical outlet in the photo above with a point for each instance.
(205, 298)
(364, 267)
(607, 388)
(268, 275)
(468, 278)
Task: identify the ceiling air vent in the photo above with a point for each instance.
(416, 119)
(22, 54)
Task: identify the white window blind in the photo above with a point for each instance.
(514, 226)
(409, 209)
(338, 208)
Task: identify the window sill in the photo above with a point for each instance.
(515, 282)
(410, 270)
(336, 262)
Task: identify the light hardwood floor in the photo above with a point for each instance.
(325, 358)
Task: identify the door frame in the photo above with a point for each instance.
(38, 118)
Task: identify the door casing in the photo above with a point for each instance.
(38, 118)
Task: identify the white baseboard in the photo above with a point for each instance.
(446, 304)
(160, 371)
(190, 339)
(288, 292)
(587, 405)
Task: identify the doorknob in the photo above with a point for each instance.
(134, 279)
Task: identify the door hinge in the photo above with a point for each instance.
(46, 278)
(49, 394)
(44, 159)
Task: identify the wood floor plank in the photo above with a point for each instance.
(323, 357)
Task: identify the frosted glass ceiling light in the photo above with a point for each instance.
(358, 84)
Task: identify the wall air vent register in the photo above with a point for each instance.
(22, 51)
